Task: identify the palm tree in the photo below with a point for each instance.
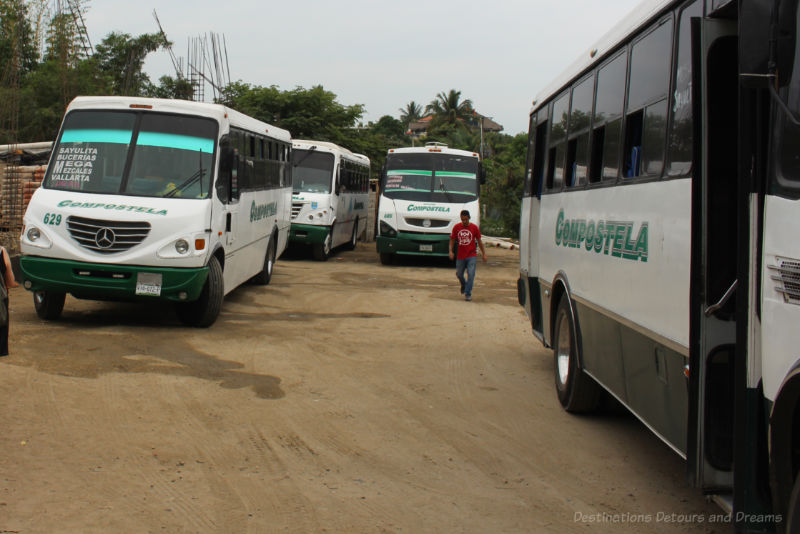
(412, 112)
(451, 109)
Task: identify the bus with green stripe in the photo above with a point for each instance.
(157, 200)
(423, 190)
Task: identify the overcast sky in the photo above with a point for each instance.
(381, 54)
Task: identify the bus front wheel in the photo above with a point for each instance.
(49, 304)
(577, 391)
(205, 310)
(387, 258)
(322, 251)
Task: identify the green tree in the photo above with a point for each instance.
(412, 112)
(17, 39)
(449, 108)
(120, 59)
(168, 87)
(502, 193)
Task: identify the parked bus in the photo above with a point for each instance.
(330, 197)
(423, 190)
(660, 255)
(149, 199)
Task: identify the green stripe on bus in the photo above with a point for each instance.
(403, 189)
(457, 192)
(96, 136)
(421, 173)
(182, 142)
(456, 174)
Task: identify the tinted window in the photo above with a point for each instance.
(682, 134)
(610, 89)
(559, 127)
(581, 112)
(650, 66)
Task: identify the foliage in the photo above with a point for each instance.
(17, 40)
(120, 59)
(449, 108)
(411, 113)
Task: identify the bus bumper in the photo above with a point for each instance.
(415, 244)
(111, 282)
(308, 234)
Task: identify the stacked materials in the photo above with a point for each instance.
(16, 189)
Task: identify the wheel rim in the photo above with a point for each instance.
(326, 246)
(563, 349)
(38, 296)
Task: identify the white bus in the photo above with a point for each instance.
(659, 231)
(423, 190)
(149, 199)
(330, 197)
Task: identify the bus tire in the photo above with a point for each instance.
(49, 304)
(387, 258)
(577, 392)
(322, 251)
(205, 310)
(351, 245)
(264, 276)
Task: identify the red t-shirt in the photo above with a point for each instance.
(466, 237)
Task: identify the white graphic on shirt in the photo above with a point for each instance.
(464, 237)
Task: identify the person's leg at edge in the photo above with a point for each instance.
(471, 264)
(460, 265)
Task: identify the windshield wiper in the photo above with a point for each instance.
(310, 151)
(189, 181)
(444, 190)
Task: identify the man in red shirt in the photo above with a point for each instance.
(467, 235)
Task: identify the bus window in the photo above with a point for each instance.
(609, 100)
(681, 135)
(649, 80)
(579, 121)
(558, 134)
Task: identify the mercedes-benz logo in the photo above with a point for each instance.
(426, 223)
(104, 237)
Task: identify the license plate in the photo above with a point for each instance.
(426, 248)
(148, 284)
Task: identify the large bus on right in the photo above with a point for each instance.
(660, 240)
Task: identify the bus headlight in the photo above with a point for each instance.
(34, 234)
(37, 238)
(181, 246)
(386, 230)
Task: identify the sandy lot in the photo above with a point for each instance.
(346, 396)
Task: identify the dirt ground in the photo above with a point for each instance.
(346, 396)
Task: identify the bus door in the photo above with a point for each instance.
(530, 220)
(339, 203)
(714, 257)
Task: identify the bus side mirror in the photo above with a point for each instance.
(482, 175)
(338, 184)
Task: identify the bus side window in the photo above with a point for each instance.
(607, 121)
(646, 121)
(558, 134)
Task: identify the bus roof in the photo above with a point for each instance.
(325, 146)
(629, 25)
(433, 148)
(216, 111)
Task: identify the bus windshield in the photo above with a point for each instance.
(142, 154)
(313, 171)
(431, 177)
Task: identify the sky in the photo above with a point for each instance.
(380, 54)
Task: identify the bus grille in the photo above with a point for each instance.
(787, 274)
(297, 207)
(432, 223)
(106, 237)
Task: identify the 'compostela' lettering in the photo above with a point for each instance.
(443, 209)
(603, 237)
